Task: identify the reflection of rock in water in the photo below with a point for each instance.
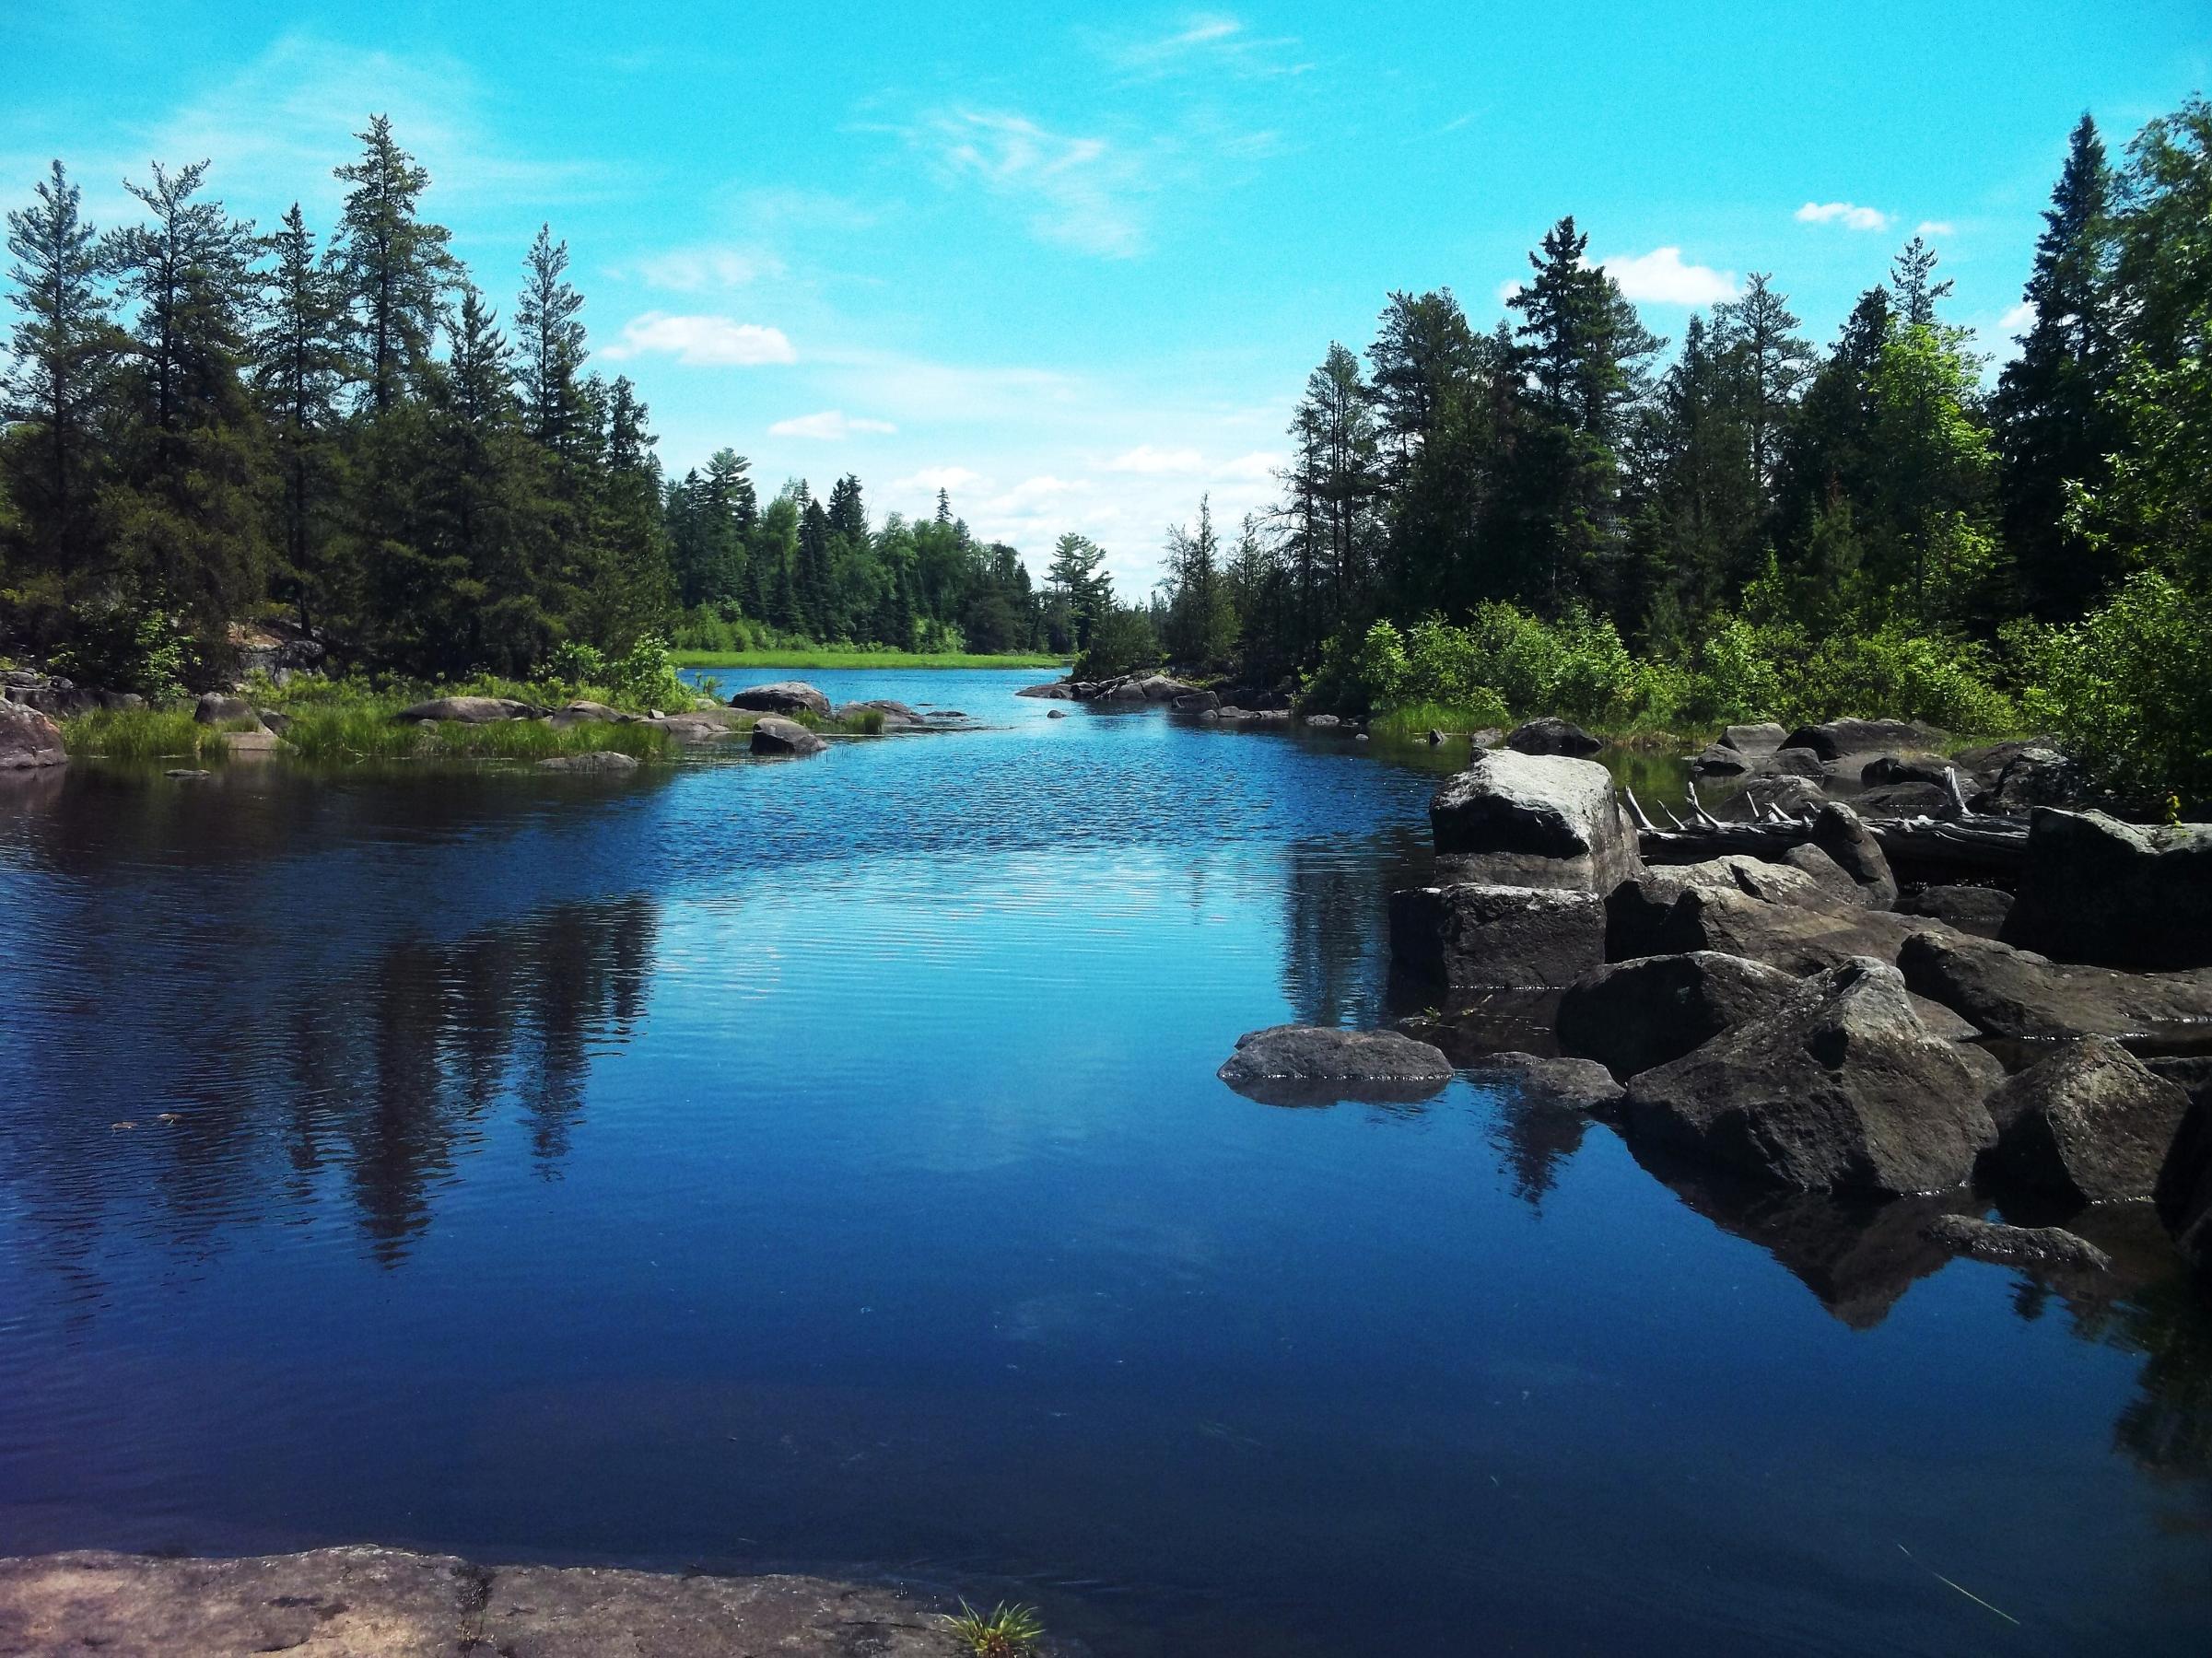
(1857, 1255)
(1336, 943)
(1495, 1021)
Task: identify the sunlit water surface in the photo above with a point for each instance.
(822, 1163)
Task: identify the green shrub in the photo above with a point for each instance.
(1122, 642)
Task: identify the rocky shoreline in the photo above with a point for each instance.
(1788, 1025)
(388, 1603)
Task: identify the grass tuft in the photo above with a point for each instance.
(1006, 1632)
(140, 734)
(1416, 720)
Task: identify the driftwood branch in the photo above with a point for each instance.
(1635, 807)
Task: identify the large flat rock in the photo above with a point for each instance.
(1533, 820)
(2017, 993)
(2115, 894)
(387, 1603)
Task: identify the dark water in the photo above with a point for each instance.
(822, 1163)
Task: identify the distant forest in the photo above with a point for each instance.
(207, 423)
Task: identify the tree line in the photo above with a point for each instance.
(204, 424)
(1731, 526)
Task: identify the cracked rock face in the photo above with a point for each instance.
(387, 1603)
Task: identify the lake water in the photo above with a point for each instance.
(822, 1163)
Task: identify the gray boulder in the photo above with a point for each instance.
(1754, 739)
(1833, 739)
(217, 708)
(1056, 714)
(468, 710)
(600, 762)
(1301, 1065)
(896, 715)
(1473, 936)
(1844, 1091)
(1798, 937)
(1581, 1085)
(1158, 687)
(1905, 768)
(1552, 735)
(1837, 831)
(783, 697)
(1972, 910)
(1908, 801)
(1535, 821)
(583, 711)
(1793, 762)
(1792, 796)
(1197, 702)
(2037, 1248)
(2088, 1124)
(774, 736)
(1058, 691)
(2019, 993)
(1721, 761)
(1830, 876)
(2115, 894)
(29, 740)
(1634, 1015)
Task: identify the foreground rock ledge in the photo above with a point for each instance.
(386, 1602)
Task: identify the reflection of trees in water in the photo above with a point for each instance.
(1335, 925)
(1533, 1139)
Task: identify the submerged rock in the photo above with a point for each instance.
(1473, 936)
(1844, 1091)
(782, 696)
(29, 740)
(1581, 1085)
(468, 710)
(774, 736)
(2116, 895)
(2089, 1124)
(1535, 821)
(1313, 1065)
(1636, 1014)
(1551, 735)
(2020, 994)
(2034, 1247)
(606, 760)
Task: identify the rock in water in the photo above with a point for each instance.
(1754, 739)
(774, 736)
(784, 696)
(1303, 1064)
(2019, 993)
(1837, 831)
(604, 761)
(2116, 895)
(2089, 1124)
(1637, 1014)
(216, 708)
(1552, 735)
(1571, 1084)
(1535, 821)
(468, 710)
(29, 740)
(1477, 937)
(2028, 1247)
(1845, 1092)
(1836, 738)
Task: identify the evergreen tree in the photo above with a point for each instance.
(550, 340)
(1912, 275)
(1078, 584)
(394, 263)
(55, 391)
(1758, 336)
(1201, 625)
(2056, 421)
(300, 367)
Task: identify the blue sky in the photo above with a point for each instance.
(1077, 271)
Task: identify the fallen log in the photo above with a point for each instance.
(1985, 845)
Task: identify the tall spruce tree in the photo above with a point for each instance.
(549, 339)
(395, 263)
(300, 367)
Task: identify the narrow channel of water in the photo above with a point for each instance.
(822, 1163)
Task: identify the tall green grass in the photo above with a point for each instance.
(1416, 720)
(141, 734)
(343, 734)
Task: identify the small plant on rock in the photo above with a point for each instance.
(1006, 1632)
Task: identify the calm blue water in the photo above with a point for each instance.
(822, 1163)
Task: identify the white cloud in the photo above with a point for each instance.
(1848, 214)
(931, 479)
(1209, 43)
(1661, 278)
(1077, 189)
(1508, 288)
(702, 342)
(1033, 497)
(2018, 320)
(694, 270)
(1255, 467)
(830, 424)
(1936, 228)
(1144, 457)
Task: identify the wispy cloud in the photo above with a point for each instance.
(1660, 277)
(1936, 228)
(1257, 467)
(1078, 191)
(1211, 42)
(700, 270)
(931, 479)
(1851, 216)
(1144, 457)
(702, 342)
(832, 424)
(2020, 319)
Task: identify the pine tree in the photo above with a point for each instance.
(1077, 584)
(1758, 335)
(1912, 275)
(298, 369)
(550, 347)
(1200, 626)
(2056, 421)
(56, 390)
(396, 268)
